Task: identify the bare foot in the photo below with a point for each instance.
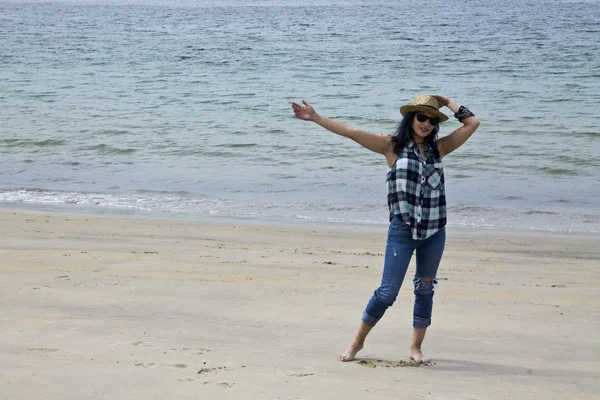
(350, 352)
(417, 355)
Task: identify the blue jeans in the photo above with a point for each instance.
(399, 249)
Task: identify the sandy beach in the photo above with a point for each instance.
(134, 308)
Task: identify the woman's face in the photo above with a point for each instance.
(423, 124)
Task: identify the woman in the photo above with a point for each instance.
(417, 204)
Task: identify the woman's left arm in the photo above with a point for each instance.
(453, 141)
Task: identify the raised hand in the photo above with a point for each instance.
(304, 112)
(443, 101)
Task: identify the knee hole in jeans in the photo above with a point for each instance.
(425, 286)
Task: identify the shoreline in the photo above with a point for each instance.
(105, 212)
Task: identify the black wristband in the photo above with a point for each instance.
(463, 113)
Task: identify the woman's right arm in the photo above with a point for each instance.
(377, 143)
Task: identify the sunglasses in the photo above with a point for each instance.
(432, 120)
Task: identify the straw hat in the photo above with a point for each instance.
(426, 104)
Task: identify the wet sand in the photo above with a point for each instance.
(126, 308)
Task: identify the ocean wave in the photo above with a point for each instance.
(113, 132)
(558, 171)
(31, 143)
(239, 145)
(533, 212)
(105, 149)
(589, 133)
(509, 198)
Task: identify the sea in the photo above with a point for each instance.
(182, 108)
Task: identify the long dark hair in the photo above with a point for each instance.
(404, 133)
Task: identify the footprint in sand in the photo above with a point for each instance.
(301, 375)
(43, 349)
(207, 370)
(144, 365)
(389, 364)
(224, 385)
(199, 350)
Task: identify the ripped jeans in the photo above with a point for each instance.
(399, 249)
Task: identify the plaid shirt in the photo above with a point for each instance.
(416, 191)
